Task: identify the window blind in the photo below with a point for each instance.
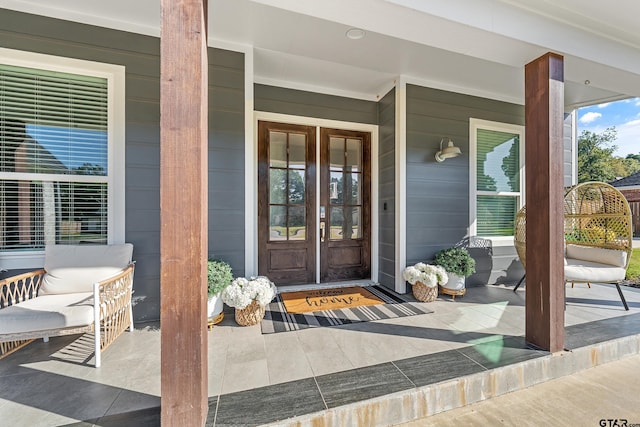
(52, 124)
(496, 215)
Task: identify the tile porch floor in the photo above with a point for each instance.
(295, 373)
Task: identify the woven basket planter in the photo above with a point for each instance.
(423, 293)
(250, 315)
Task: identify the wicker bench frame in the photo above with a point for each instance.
(112, 312)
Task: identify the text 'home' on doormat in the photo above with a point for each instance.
(328, 299)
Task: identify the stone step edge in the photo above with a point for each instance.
(421, 402)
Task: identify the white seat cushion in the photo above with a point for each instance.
(577, 270)
(48, 312)
(75, 268)
(613, 257)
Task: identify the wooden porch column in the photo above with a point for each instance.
(183, 212)
(544, 112)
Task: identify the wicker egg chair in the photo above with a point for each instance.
(596, 215)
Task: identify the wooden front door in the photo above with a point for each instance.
(289, 230)
(345, 189)
(286, 202)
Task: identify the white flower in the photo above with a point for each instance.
(430, 275)
(242, 291)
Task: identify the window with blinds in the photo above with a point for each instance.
(498, 179)
(54, 171)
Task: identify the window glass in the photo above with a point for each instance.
(277, 223)
(354, 154)
(297, 223)
(296, 186)
(336, 223)
(287, 189)
(277, 149)
(498, 177)
(336, 153)
(345, 193)
(278, 186)
(297, 150)
(496, 215)
(498, 158)
(52, 124)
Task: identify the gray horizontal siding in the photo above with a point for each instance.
(310, 104)
(140, 55)
(438, 193)
(387, 190)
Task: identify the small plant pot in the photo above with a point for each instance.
(214, 309)
(455, 282)
(424, 293)
(455, 287)
(214, 305)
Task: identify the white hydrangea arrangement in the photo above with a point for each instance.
(430, 275)
(242, 291)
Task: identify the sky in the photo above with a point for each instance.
(624, 115)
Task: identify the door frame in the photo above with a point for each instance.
(251, 210)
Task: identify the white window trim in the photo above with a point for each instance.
(400, 212)
(115, 76)
(474, 125)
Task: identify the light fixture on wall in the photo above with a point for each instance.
(447, 152)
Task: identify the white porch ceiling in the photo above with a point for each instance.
(477, 47)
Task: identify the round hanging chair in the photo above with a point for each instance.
(595, 214)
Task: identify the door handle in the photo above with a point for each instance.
(322, 228)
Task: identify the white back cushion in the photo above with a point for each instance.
(75, 268)
(603, 256)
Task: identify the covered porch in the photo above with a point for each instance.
(408, 66)
(390, 371)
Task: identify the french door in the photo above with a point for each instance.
(314, 215)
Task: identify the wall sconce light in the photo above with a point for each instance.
(447, 152)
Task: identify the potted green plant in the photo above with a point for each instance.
(218, 278)
(459, 265)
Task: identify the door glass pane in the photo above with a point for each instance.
(336, 188)
(352, 221)
(296, 186)
(354, 154)
(336, 221)
(345, 223)
(336, 153)
(278, 149)
(333, 191)
(297, 223)
(277, 186)
(352, 188)
(297, 150)
(277, 223)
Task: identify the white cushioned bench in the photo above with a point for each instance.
(60, 299)
(587, 264)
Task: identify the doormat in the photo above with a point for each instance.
(276, 318)
(328, 299)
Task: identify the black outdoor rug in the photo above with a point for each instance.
(276, 318)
